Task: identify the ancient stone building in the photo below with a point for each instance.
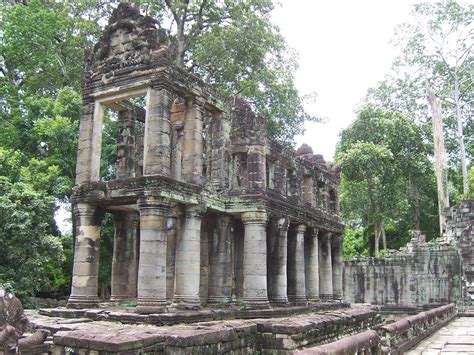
(207, 209)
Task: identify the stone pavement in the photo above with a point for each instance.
(455, 338)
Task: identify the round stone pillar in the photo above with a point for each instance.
(152, 263)
(188, 261)
(221, 262)
(125, 256)
(337, 266)
(312, 266)
(85, 272)
(325, 267)
(255, 259)
(297, 293)
(278, 279)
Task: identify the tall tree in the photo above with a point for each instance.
(385, 171)
(438, 53)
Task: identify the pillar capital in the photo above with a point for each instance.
(315, 232)
(256, 217)
(301, 228)
(153, 205)
(86, 210)
(194, 211)
(325, 236)
(224, 221)
(283, 224)
(197, 102)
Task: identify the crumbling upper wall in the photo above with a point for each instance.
(130, 43)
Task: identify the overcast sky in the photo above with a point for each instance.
(343, 50)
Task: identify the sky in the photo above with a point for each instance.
(344, 49)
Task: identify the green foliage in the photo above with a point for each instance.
(470, 180)
(27, 241)
(354, 244)
(387, 181)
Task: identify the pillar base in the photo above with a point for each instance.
(314, 300)
(279, 301)
(215, 301)
(183, 302)
(256, 303)
(117, 298)
(148, 306)
(79, 302)
(326, 297)
(298, 300)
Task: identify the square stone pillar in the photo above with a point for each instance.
(188, 261)
(221, 262)
(85, 272)
(126, 145)
(157, 140)
(296, 267)
(277, 276)
(193, 142)
(312, 266)
(255, 259)
(325, 267)
(90, 142)
(125, 256)
(256, 167)
(152, 263)
(337, 258)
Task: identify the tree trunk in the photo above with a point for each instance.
(180, 46)
(384, 237)
(440, 157)
(462, 149)
(377, 239)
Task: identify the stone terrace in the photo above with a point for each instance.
(244, 336)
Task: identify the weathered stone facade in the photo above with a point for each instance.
(422, 274)
(207, 209)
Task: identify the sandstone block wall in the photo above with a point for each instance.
(429, 275)
(422, 274)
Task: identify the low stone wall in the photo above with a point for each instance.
(394, 338)
(427, 276)
(407, 332)
(367, 342)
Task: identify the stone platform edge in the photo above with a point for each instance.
(171, 318)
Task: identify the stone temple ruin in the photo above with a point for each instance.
(207, 209)
(227, 241)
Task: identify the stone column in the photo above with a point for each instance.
(221, 262)
(90, 142)
(278, 278)
(256, 167)
(157, 141)
(125, 256)
(297, 291)
(337, 266)
(312, 266)
(188, 261)
(85, 270)
(152, 263)
(126, 145)
(255, 259)
(325, 267)
(193, 142)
